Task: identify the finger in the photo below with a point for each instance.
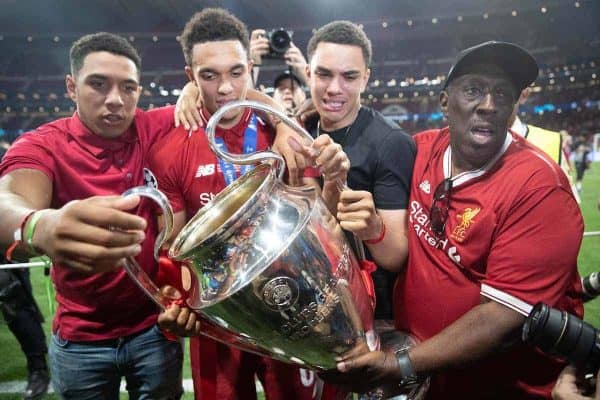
(355, 362)
(361, 205)
(186, 119)
(197, 328)
(352, 226)
(306, 151)
(176, 114)
(183, 316)
(193, 118)
(108, 217)
(191, 322)
(168, 317)
(196, 118)
(70, 250)
(352, 196)
(101, 236)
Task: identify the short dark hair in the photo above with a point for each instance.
(213, 24)
(102, 41)
(341, 32)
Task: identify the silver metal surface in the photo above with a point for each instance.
(275, 268)
(272, 272)
(139, 276)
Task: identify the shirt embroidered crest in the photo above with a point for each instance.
(465, 219)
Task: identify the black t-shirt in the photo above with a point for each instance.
(381, 162)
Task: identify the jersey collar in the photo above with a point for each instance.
(466, 176)
(97, 145)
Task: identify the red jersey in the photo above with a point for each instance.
(190, 175)
(512, 235)
(81, 164)
(187, 170)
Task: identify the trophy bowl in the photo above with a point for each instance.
(274, 267)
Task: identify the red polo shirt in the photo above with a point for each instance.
(81, 164)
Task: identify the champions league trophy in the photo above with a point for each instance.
(269, 268)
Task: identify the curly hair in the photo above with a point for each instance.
(102, 41)
(212, 24)
(341, 32)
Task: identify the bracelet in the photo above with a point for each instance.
(381, 234)
(18, 236)
(35, 217)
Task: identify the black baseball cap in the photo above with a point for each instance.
(518, 64)
(286, 75)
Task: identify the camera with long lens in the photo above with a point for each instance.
(279, 42)
(560, 333)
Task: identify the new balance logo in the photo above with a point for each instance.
(425, 186)
(205, 170)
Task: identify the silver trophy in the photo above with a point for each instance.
(271, 270)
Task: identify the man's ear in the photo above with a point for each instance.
(190, 74)
(71, 87)
(444, 102)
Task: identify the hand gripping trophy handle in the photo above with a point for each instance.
(255, 157)
(139, 276)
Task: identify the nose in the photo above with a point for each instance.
(225, 87)
(488, 103)
(114, 99)
(334, 86)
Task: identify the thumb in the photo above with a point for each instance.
(127, 202)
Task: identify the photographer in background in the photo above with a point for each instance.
(260, 46)
(288, 91)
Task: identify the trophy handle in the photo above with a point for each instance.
(258, 156)
(139, 276)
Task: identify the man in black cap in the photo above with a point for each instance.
(493, 228)
(288, 91)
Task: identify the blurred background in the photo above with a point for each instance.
(414, 44)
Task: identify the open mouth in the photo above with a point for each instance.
(112, 119)
(333, 105)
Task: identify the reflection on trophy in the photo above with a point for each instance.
(270, 273)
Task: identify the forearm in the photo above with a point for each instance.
(485, 329)
(17, 201)
(391, 253)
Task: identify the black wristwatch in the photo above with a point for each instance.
(406, 368)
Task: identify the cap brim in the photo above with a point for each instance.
(519, 65)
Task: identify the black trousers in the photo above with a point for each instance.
(23, 317)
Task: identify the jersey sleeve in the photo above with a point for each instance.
(32, 150)
(165, 163)
(534, 254)
(396, 158)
